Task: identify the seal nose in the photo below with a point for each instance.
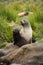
(22, 22)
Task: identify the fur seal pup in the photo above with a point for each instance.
(23, 36)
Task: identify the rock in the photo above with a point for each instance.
(3, 52)
(9, 48)
(30, 54)
(15, 64)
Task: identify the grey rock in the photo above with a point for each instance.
(15, 64)
(3, 52)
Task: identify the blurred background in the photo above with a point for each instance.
(9, 10)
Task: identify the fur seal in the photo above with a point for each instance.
(23, 36)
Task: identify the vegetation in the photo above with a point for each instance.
(8, 13)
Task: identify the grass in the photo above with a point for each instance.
(36, 20)
(8, 13)
(5, 31)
